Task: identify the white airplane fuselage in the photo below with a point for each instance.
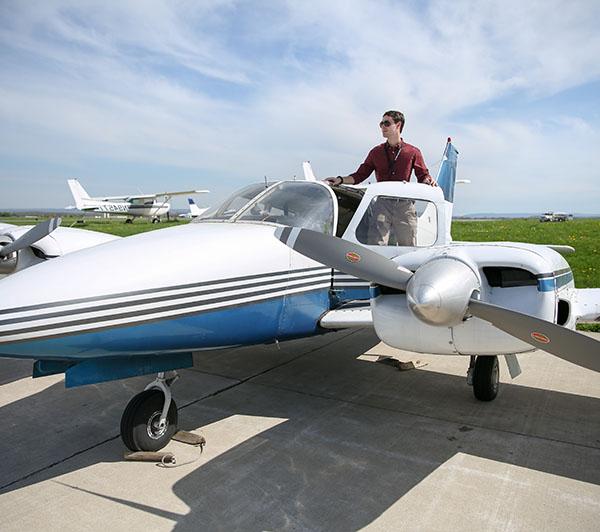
(150, 210)
(222, 284)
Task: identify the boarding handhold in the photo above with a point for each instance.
(148, 456)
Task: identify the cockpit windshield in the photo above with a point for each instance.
(294, 203)
(233, 203)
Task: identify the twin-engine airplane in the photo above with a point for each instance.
(147, 205)
(233, 282)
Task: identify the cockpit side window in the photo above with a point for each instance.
(392, 221)
(348, 201)
(297, 204)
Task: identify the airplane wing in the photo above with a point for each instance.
(586, 304)
(179, 193)
(132, 197)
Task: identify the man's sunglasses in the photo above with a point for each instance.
(385, 123)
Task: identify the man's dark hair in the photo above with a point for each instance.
(396, 116)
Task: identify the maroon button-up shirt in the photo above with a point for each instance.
(391, 166)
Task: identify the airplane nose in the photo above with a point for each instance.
(143, 293)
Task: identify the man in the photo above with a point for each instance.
(393, 221)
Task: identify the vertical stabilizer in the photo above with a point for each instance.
(308, 171)
(78, 192)
(446, 177)
(446, 180)
(194, 210)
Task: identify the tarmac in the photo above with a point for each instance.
(313, 434)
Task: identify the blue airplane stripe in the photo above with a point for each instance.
(192, 308)
(553, 283)
(243, 324)
(546, 285)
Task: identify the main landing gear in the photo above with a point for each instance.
(150, 418)
(484, 375)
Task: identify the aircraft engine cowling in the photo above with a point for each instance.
(439, 291)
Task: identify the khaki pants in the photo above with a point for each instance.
(393, 223)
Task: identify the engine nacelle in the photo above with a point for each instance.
(439, 291)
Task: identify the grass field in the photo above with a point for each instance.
(582, 234)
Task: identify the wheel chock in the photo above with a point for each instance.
(149, 456)
(189, 438)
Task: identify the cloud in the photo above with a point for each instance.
(227, 90)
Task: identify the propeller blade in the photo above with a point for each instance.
(560, 341)
(345, 256)
(31, 237)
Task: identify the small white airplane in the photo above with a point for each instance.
(194, 211)
(134, 205)
(235, 283)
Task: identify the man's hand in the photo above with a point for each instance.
(332, 181)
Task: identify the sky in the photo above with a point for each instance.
(148, 96)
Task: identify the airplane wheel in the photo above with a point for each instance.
(486, 378)
(139, 423)
(128, 220)
(155, 220)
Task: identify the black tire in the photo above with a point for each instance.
(127, 422)
(486, 378)
(128, 221)
(139, 430)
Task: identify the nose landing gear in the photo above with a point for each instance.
(150, 418)
(484, 375)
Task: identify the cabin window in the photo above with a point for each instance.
(392, 221)
(294, 203)
(502, 277)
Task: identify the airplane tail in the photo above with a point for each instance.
(446, 177)
(194, 210)
(308, 171)
(79, 194)
(446, 180)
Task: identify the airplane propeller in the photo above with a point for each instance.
(361, 262)
(34, 234)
